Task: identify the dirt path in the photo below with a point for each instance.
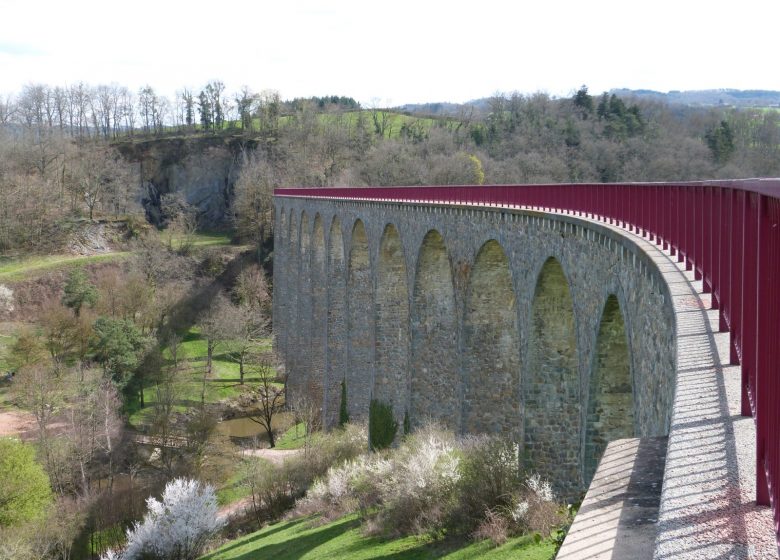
(275, 456)
(16, 423)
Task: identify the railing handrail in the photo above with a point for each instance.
(726, 231)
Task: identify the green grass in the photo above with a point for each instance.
(234, 488)
(293, 438)
(343, 539)
(14, 269)
(203, 239)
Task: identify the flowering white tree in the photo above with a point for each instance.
(176, 528)
(6, 299)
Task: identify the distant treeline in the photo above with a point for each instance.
(57, 156)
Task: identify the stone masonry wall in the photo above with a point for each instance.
(496, 336)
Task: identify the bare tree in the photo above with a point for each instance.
(217, 326)
(252, 203)
(97, 173)
(270, 397)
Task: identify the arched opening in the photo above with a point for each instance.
(610, 398)
(435, 382)
(360, 324)
(280, 279)
(551, 387)
(318, 313)
(335, 347)
(392, 324)
(303, 363)
(492, 348)
(293, 272)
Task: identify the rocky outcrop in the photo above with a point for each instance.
(203, 169)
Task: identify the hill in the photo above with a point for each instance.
(708, 97)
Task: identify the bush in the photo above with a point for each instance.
(24, 486)
(382, 426)
(490, 475)
(343, 414)
(275, 489)
(176, 528)
(435, 482)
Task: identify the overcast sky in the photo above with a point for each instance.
(393, 52)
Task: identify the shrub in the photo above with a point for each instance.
(275, 488)
(24, 486)
(343, 414)
(435, 482)
(382, 426)
(490, 474)
(494, 526)
(417, 494)
(176, 528)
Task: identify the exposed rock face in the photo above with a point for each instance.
(202, 169)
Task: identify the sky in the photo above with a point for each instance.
(390, 53)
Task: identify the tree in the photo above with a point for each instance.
(217, 326)
(97, 174)
(24, 486)
(204, 108)
(117, 346)
(189, 108)
(252, 203)
(79, 291)
(720, 141)
(583, 101)
(382, 426)
(252, 290)
(343, 410)
(177, 527)
(270, 398)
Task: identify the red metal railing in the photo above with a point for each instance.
(727, 232)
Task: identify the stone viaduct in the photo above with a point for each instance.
(553, 330)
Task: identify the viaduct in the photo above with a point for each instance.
(564, 317)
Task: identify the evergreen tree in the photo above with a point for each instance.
(79, 291)
(343, 414)
(720, 141)
(584, 102)
(382, 426)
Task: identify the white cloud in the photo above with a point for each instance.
(399, 52)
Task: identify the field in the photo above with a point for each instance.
(343, 539)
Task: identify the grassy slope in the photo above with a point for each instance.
(15, 269)
(343, 539)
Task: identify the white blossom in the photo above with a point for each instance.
(175, 528)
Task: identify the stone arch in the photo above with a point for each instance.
(551, 386)
(435, 386)
(304, 310)
(360, 325)
(318, 311)
(392, 324)
(610, 397)
(491, 344)
(336, 325)
(293, 272)
(280, 280)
